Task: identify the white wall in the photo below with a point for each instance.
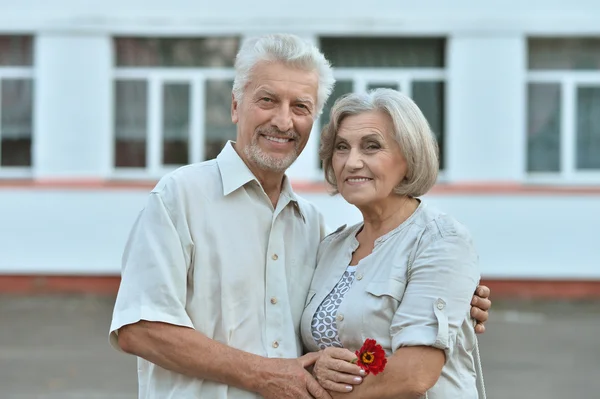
(486, 104)
(350, 15)
(83, 232)
(73, 106)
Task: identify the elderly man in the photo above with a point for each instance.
(218, 264)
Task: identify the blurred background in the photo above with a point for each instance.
(98, 100)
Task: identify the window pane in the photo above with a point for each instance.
(429, 96)
(16, 127)
(574, 53)
(341, 87)
(543, 127)
(16, 51)
(588, 128)
(373, 86)
(390, 52)
(218, 126)
(176, 123)
(131, 123)
(176, 52)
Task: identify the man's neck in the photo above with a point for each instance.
(270, 181)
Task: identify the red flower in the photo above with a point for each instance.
(371, 357)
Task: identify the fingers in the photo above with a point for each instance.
(337, 375)
(316, 390)
(481, 303)
(336, 387)
(342, 366)
(309, 359)
(480, 315)
(479, 328)
(339, 353)
(483, 291)
(480, 308)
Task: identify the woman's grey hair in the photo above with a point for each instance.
(411, 131)
(289, 50)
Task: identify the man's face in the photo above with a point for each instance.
(276, 115)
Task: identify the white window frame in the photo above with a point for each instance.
(569, 81)
(8, 73)
(403, 77)
(156, 78)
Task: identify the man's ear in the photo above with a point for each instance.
(234, 109)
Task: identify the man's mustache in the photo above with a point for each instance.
(290, 134)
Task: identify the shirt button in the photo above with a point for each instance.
(440, 304)
(339, 317)
(273, 300)
(275, 344)
(359, 276)
(274, 257)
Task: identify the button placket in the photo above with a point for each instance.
(275, 262)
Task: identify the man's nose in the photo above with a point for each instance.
(283, 118)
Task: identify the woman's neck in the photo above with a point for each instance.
(379, 219)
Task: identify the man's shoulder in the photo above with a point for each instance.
(197, 176)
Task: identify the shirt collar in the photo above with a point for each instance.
(235, 174)
(288, 192)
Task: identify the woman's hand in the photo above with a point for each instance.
(334, 371)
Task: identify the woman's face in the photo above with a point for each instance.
(367, 161)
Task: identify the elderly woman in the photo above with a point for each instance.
(405, 275)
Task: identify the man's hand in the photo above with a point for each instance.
(480, 304)
(288, 379)
(334, 371)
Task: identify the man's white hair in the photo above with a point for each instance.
(289, 50)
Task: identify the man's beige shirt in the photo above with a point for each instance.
(209, 252)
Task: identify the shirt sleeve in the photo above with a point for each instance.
(438, 294)
(154, 271)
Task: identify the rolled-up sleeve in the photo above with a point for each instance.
(154, 271)
(438, 294)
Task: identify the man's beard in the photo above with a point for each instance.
(267, 162)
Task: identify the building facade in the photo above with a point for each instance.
(98, 101)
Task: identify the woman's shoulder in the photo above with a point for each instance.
(434, 224)
(342, 232)
(339, 237)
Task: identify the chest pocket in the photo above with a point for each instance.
(381, 302)
(388, 288)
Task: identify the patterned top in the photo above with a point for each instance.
(324, 327)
